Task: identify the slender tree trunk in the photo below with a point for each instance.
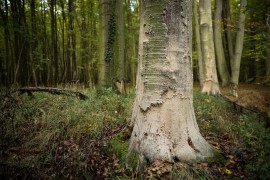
(63, 78)
(4, 78)
(165, 127)
(103, 23)
(221, 61)
(121, 39)
(45, 74)
(210, 85)
(54, 65)
(235, 66)
(34, 42)
(267, 62)
(228, 27)
(198, 42)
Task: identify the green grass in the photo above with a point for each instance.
(56, 136)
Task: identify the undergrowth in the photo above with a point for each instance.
(55, 136)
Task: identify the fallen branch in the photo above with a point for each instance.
(50, 90)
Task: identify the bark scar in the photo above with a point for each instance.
(190, 143)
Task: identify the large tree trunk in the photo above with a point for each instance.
(221, 61)
(210, 85)
(164, 122)
(198, 42)
(235, 65)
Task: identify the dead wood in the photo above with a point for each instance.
(51, 90)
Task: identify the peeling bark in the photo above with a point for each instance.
(165, 126)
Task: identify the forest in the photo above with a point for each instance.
(134, 89)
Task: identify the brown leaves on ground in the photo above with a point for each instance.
(253, 96)
(158, 169)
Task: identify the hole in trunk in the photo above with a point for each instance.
(176, 159)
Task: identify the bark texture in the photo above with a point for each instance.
(235, 66)
(221, 61)
(121, 39)
(228, 27)
(267, 62)
(198, 42)
(165, 127)
(210, 85)
(104, 6)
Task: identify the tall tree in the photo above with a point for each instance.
(71, 42)
(104, 12)
(228, 28)
(120, 39)
(220, 56)
(21, 42)
(131, 41)
(54, 43)
(198, 42)
(210, 85)
(164, 122)
(4, 61)
(34, 42)
(235, 66)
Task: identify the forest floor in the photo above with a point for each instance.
(252, 96)
(62, 137)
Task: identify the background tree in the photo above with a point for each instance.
(164, 123)
(210, 85)
(235, 66)
(219, 50)
(198, 42)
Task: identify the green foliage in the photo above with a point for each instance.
(256, 142)
(60, 127)
(246, 130)
(65, 137)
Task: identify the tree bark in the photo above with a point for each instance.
(267, 62)
(221, 61)
(210, 85)
(235, 66)
(103, 23)
(54, 48)
(165, 127)
(228, 27)
(198, 42)
(121, 39)
(4, 62)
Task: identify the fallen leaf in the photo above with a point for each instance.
(227, 171)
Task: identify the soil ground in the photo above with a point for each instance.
(251, 96)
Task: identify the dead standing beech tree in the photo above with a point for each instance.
(164, 121)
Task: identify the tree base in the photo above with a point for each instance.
(211, 88)
(169, 131)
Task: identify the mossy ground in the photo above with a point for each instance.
(55, 136)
